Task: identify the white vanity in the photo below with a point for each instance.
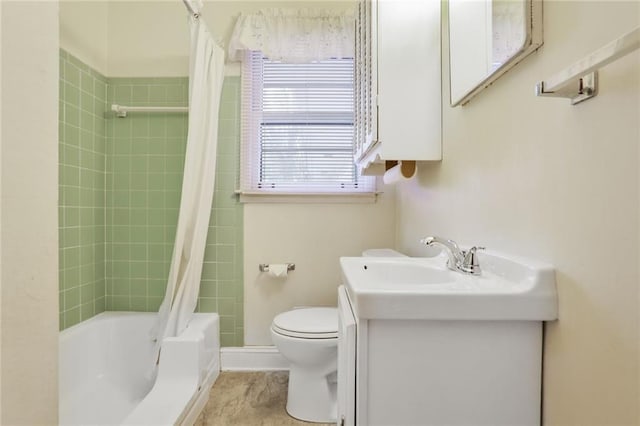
(420, 344)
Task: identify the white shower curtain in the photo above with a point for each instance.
(205, 85)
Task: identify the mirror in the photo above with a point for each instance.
(486, 39)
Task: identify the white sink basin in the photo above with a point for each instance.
(509, 288)
(407, 272)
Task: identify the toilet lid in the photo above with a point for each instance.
(310, 323)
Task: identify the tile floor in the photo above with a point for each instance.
(248, 399)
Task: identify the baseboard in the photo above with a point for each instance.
(252, 358)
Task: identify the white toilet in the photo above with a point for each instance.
(308, 339)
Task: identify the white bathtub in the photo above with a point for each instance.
(105, 366)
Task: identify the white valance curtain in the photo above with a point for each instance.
(292, 35)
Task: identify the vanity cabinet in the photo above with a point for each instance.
(398, 81)
(436, 372)
(346, 360)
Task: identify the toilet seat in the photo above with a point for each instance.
(308, 323)
(299, 335)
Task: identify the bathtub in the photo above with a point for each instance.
(105, 371)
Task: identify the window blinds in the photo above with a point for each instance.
(297, 127)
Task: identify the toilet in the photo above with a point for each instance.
(308, 339)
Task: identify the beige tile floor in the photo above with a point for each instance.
(248, 399)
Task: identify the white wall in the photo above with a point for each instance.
(538, 177)
(29, 233)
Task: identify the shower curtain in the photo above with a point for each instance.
(205, 86)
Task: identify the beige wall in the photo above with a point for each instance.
(83, 31)
(145, 38)
(314, 237)
(29, 238)
(531, 176)
(538, 177)
(1, 215)
(150, 38)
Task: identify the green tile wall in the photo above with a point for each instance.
(144, 177)
(145, 157)
(120, 183)
(81, 191)
(222, 284)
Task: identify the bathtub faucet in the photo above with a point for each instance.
(459, 260)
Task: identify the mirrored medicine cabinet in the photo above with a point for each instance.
(486, 39)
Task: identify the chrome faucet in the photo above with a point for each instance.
(459, 260)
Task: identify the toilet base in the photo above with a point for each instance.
(312, 397)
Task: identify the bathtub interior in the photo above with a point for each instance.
(105, 374)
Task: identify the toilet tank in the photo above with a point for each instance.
(382, 252)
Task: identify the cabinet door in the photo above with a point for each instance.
(409, 84)
(366, 86)
(346, 360)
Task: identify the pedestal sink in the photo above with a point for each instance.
(422, 344)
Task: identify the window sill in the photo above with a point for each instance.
(307, 198)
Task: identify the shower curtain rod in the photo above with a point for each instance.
(187, 3)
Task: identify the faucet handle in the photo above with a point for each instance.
(470, 264)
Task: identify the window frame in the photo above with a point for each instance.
(250, 163)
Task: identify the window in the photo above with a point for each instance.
(297, 128)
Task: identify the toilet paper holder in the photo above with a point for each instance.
(264, 267)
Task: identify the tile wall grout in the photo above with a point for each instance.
(142, 168)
